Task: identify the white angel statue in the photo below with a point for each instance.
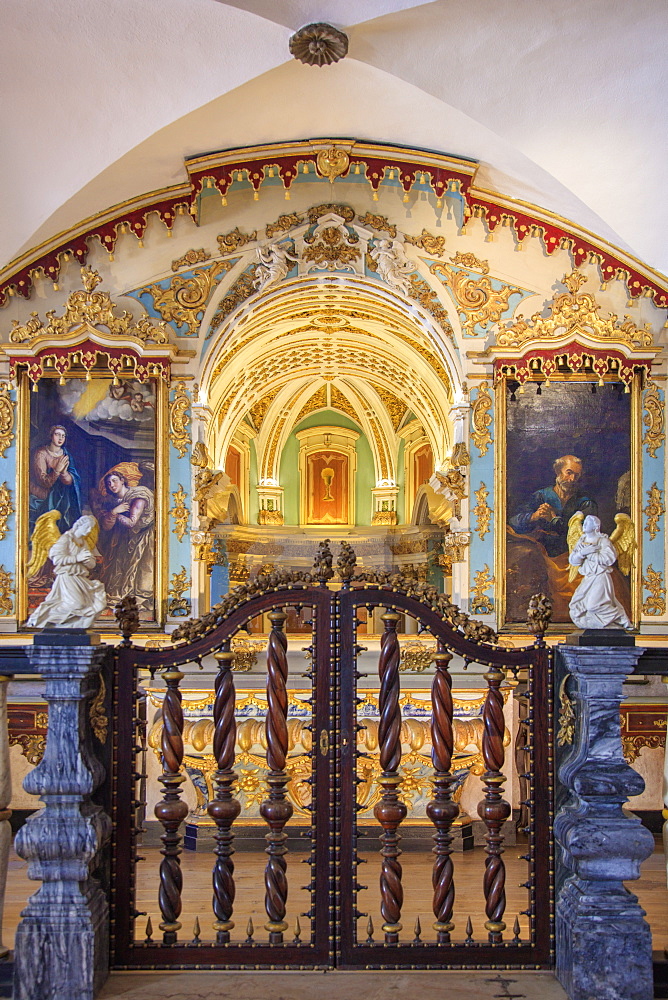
(74, 600)
(593, 554)
(392, 264)
(273, 264)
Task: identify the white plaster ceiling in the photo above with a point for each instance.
(563, 104)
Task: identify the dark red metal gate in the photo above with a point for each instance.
(331, 937)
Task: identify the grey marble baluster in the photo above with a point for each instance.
(604, 945)
(62, 942)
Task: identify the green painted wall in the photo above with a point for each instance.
(289, 468)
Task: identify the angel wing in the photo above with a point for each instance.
(624, 540)
(573, 536)
(45, 534)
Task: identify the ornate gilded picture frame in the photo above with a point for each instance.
(95, 443)
(565, 447)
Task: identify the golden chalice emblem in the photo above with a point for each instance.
(327, 477)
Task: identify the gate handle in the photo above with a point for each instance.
(324, 742)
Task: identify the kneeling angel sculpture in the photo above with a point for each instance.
(593, 554)
(74, 600)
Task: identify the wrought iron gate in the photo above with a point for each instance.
(332, 932)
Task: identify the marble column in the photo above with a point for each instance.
(604, 945)
(5, 795)
(62, 942)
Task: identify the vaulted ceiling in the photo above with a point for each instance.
(562, 104)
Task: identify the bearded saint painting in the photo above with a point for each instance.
(568, 452)
(126, 513)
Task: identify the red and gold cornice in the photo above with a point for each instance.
(331, 159)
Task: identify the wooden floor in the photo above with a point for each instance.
(650, 888)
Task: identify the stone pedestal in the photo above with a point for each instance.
(604, 947)
(62, 942)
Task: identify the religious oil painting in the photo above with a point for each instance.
(327, 488)
(93, 451)
(568, 450)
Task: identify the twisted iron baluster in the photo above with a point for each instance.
(224, 809)
(390, 811)
(277, 809)
(494, 810)
(442, 811)
(171, 811)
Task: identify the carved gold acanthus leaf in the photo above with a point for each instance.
(180, 512)
(475, 297)
(97, 715)
(434, 245)
(179, 419)
(229, 242)
(566, 732)
(656, 602)
(470, 260)
(7, 409)
(184, 300)
(6, 508)
(190, 258)
(482, 511)
(283, 224)
(654, 510)
(574, 312)
(482, 603)
(482, 419)
(89, 307)
(379, 223)
(179, 583)
(6, 593)
(654, 421)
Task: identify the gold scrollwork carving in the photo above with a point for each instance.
(7, 407)
(33, 746)
(566, 716)
(94, 308)
(190, 258)
(632, 745)
(572, 311)
(476, 297)
(482, 419)
(179, 419)
(332, 162)
(426, 241)
(180, 512)
(482, 511)
(332, 249)
(654, 510)
(379, 223)
(238, 293)
(97, 715)
(6, 508)
(425, 295)
(229, 242)
(245, 654)
(470, 260)
(283, 224)
(415, 655)
(6, 593)
(656, 602)
(179, 583)
(653, 419)
(482, 603)
(184, 300)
